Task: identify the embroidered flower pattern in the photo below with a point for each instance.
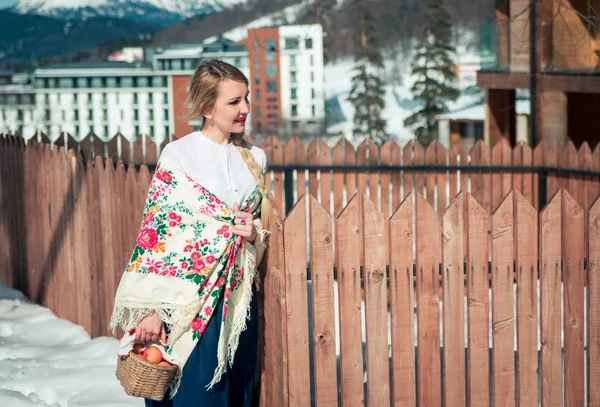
(204, 254)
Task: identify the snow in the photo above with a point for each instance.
(183, 7)
(48, 361)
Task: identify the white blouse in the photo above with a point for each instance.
(220, 168)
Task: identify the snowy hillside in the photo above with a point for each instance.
(161, 11)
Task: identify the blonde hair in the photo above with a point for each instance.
(204, 89)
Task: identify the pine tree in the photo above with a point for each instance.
(435, 72)
(366, 94)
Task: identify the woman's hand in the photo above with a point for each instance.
(151, 329)
(244, 224)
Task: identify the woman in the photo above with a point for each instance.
(189, 284)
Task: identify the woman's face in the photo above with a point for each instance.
(231, 107)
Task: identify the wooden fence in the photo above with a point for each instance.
(388, 173)
(67, 226)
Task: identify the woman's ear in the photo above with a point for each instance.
(208, 113)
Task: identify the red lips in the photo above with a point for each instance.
(241, 120)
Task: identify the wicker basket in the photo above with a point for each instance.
(141, 378)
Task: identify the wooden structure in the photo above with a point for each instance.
(67, 226)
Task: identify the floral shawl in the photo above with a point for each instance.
(185, 258)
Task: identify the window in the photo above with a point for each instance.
(20, 115)
(271, 70)
(257, 78)
(308, 43)
(257, 95)
(104, 114)
(237, 62)
(111, 82)
(104, 99)
(293, 77)
(142, 82)
(135, 98)
(75, 98)
(256, 45)
(47, 98)
(312, 76)
(292, 43)
(136, 114)
(127, 82)
(90, 114)
(89, 98)
(47, 114)
(136, 131)
(294, 110)
(76, 115)
(106, 131)
(312, 93)
(157, 81)
(149, 97)
(295, 125)
(314, 110)
(272, 116)
(270, 49)
(166, 116)
(257, 62)
(312, 60)
(151, 114)
(65, 83)
(76, 131)
(293, 61)
(176, 65)
(272, 107)
(151, 131)
(63, 115)
(294, 93)
(271, 86)
(167, 131)
(166, 98)
(257, 111)
(272, 100)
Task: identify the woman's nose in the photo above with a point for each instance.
(245, 108)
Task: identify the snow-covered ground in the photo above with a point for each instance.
(47, 361)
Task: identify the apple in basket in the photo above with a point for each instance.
(153, 355)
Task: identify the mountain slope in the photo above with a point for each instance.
(27, 37)
(163, 12)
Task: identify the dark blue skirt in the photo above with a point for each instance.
(236, 386)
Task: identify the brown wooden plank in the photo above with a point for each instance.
(573, 218)
(428, 260)
(419, 159)
(435, 182)
(458, 181)
(408, 175)
(274, 153)
(107, 217)
(396, 159)
(294, 238)
(350, 177)
(378, 378)
(454, 254)
(321, 254)
(347, 253)
(501, 180)
(551, 160)
(593, 307)
(517, 161)
(151, 150)
(325, 159)
(584, 184)
(478, 380)
(503, 254)
(526, 251)
(373, 160)
(430, 176)
(442, 178)
(362, 160)
(277, 277)
(313, 159)
(402, 304)
(538, 161)
(386, 186)
(567, 158)
(69, 243)
(294, 154)
(550, 279)
(595, 186)
(338, 177)
(480, 181)
(527, 177)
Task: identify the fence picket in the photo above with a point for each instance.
(550, 278)
(478, 380)
(312, 158)
(428, 261)
(294, 238)
(347, 254)
(538, 161)
(294, 154)
(584, 183)
(501, 156)
(376, 305)
(573, 218)
(526, 251)
(325, 159)
(502, 302)
(321, 253)
(593, 307)
(402, 306)
(454, 254)
(480, 181)
(362, 159)
(338, 177)
(408, 176)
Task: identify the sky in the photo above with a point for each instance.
(7, 3)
